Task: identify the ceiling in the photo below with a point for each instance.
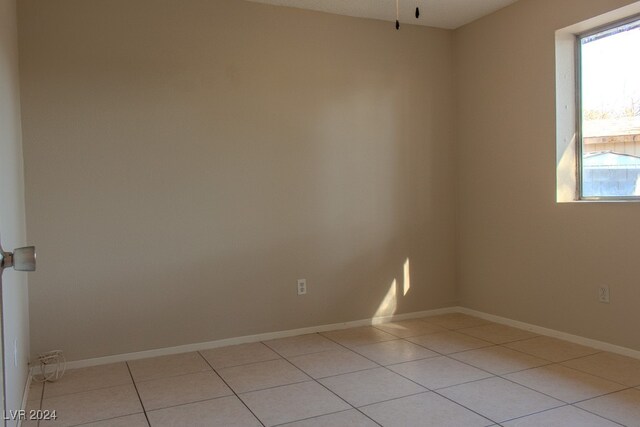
(448, 14)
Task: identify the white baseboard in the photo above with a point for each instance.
(600, 345)
(248, 339)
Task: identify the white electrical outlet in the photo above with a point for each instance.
(603, 294)
(302, 286)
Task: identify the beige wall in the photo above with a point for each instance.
(12, 218)
(520, 254)
(188, 161)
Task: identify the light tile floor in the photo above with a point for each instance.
(448, 370)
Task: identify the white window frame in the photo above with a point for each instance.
(568, 106)
(579, 140)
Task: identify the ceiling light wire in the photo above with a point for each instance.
(398, 14)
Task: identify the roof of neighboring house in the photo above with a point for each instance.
(611, 127)
(611, 160)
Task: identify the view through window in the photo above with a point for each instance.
(610, 112)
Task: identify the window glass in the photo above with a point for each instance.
(610, 112)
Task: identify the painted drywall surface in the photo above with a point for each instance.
(187, 161)
(521, 255)
(12, 217)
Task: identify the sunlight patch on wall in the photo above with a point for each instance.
(406, 284)
(389, 302)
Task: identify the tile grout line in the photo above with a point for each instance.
(468, 382)
(428, 389)
(387, 367)
(557, 407)
(593, 375)
(505, 345)
(232, 390)
(41, 400)
(522, 385)
(560, 400)
(314, 417)
(135, 386)
(295, 355)
(501, 376)
(103, 420)
(468, 409)
(598, 415)
(602, 395)
(330, 391)
(589, 373)
(246, 364)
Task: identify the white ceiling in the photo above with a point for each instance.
(433, 13)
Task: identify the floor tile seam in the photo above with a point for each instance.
(532, 389)
(309, 377)
(554, 361)
(426, 348)
(355, 352)
(144, 411)
(408, 379)
(108, 419)
(589, 373)
(347, 373)
(453, 352)
(342, 348)
(602, 395)
(470, 365)
(449, 357)
(289, 358)
(382, 342)
(41, 395)
(456, 329)
(463, 406)
(291, 355)
(88, 391)
(544, 358)
(440, 388)
(407, 336)
(239, 393)
(200, 353)
(534, 413)
(330, 391)
(347, 403)
(332, 375)
(211, 399)
(256, 363)
(170, 376)
(361, 345)
(351, 347)
(595, 375)
(425, 391)
(505, 373)
(385, 367)
(598, 415)
(412, 360)
(314, 417)
(521, 370)
(497, 343)
(173, 376)
(41, 399)
(232, 390)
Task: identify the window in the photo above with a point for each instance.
(608, 114)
